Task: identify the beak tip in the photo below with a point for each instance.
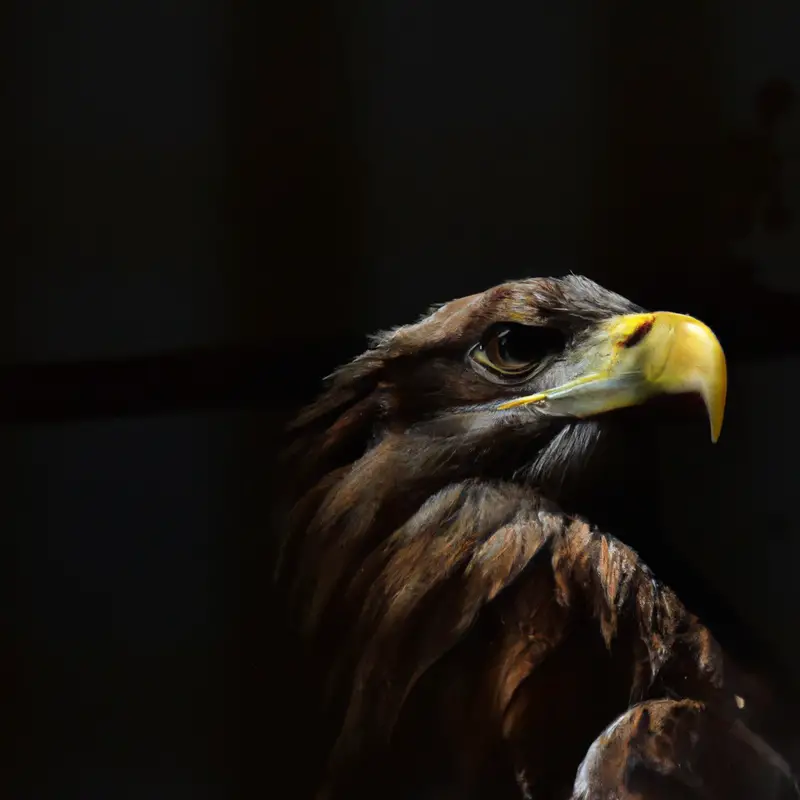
(716, 430)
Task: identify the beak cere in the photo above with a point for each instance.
(633, 358)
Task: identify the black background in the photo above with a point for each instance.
(211, 203)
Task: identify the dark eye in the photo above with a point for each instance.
(512, 349)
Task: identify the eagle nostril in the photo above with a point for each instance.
(638, 334)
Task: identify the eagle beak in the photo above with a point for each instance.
(632, 358)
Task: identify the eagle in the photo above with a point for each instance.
(467, 621)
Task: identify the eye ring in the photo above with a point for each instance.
(512, 350)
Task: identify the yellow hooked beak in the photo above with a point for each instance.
(633, 358)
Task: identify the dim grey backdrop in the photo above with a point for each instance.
(187, 177)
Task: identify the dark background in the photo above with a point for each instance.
(210, 203)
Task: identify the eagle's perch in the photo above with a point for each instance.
(460, 615)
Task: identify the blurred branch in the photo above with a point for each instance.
(753, 323)
(213, 379)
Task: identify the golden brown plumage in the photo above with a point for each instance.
(462, 622)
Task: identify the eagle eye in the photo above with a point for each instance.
(510, 349)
